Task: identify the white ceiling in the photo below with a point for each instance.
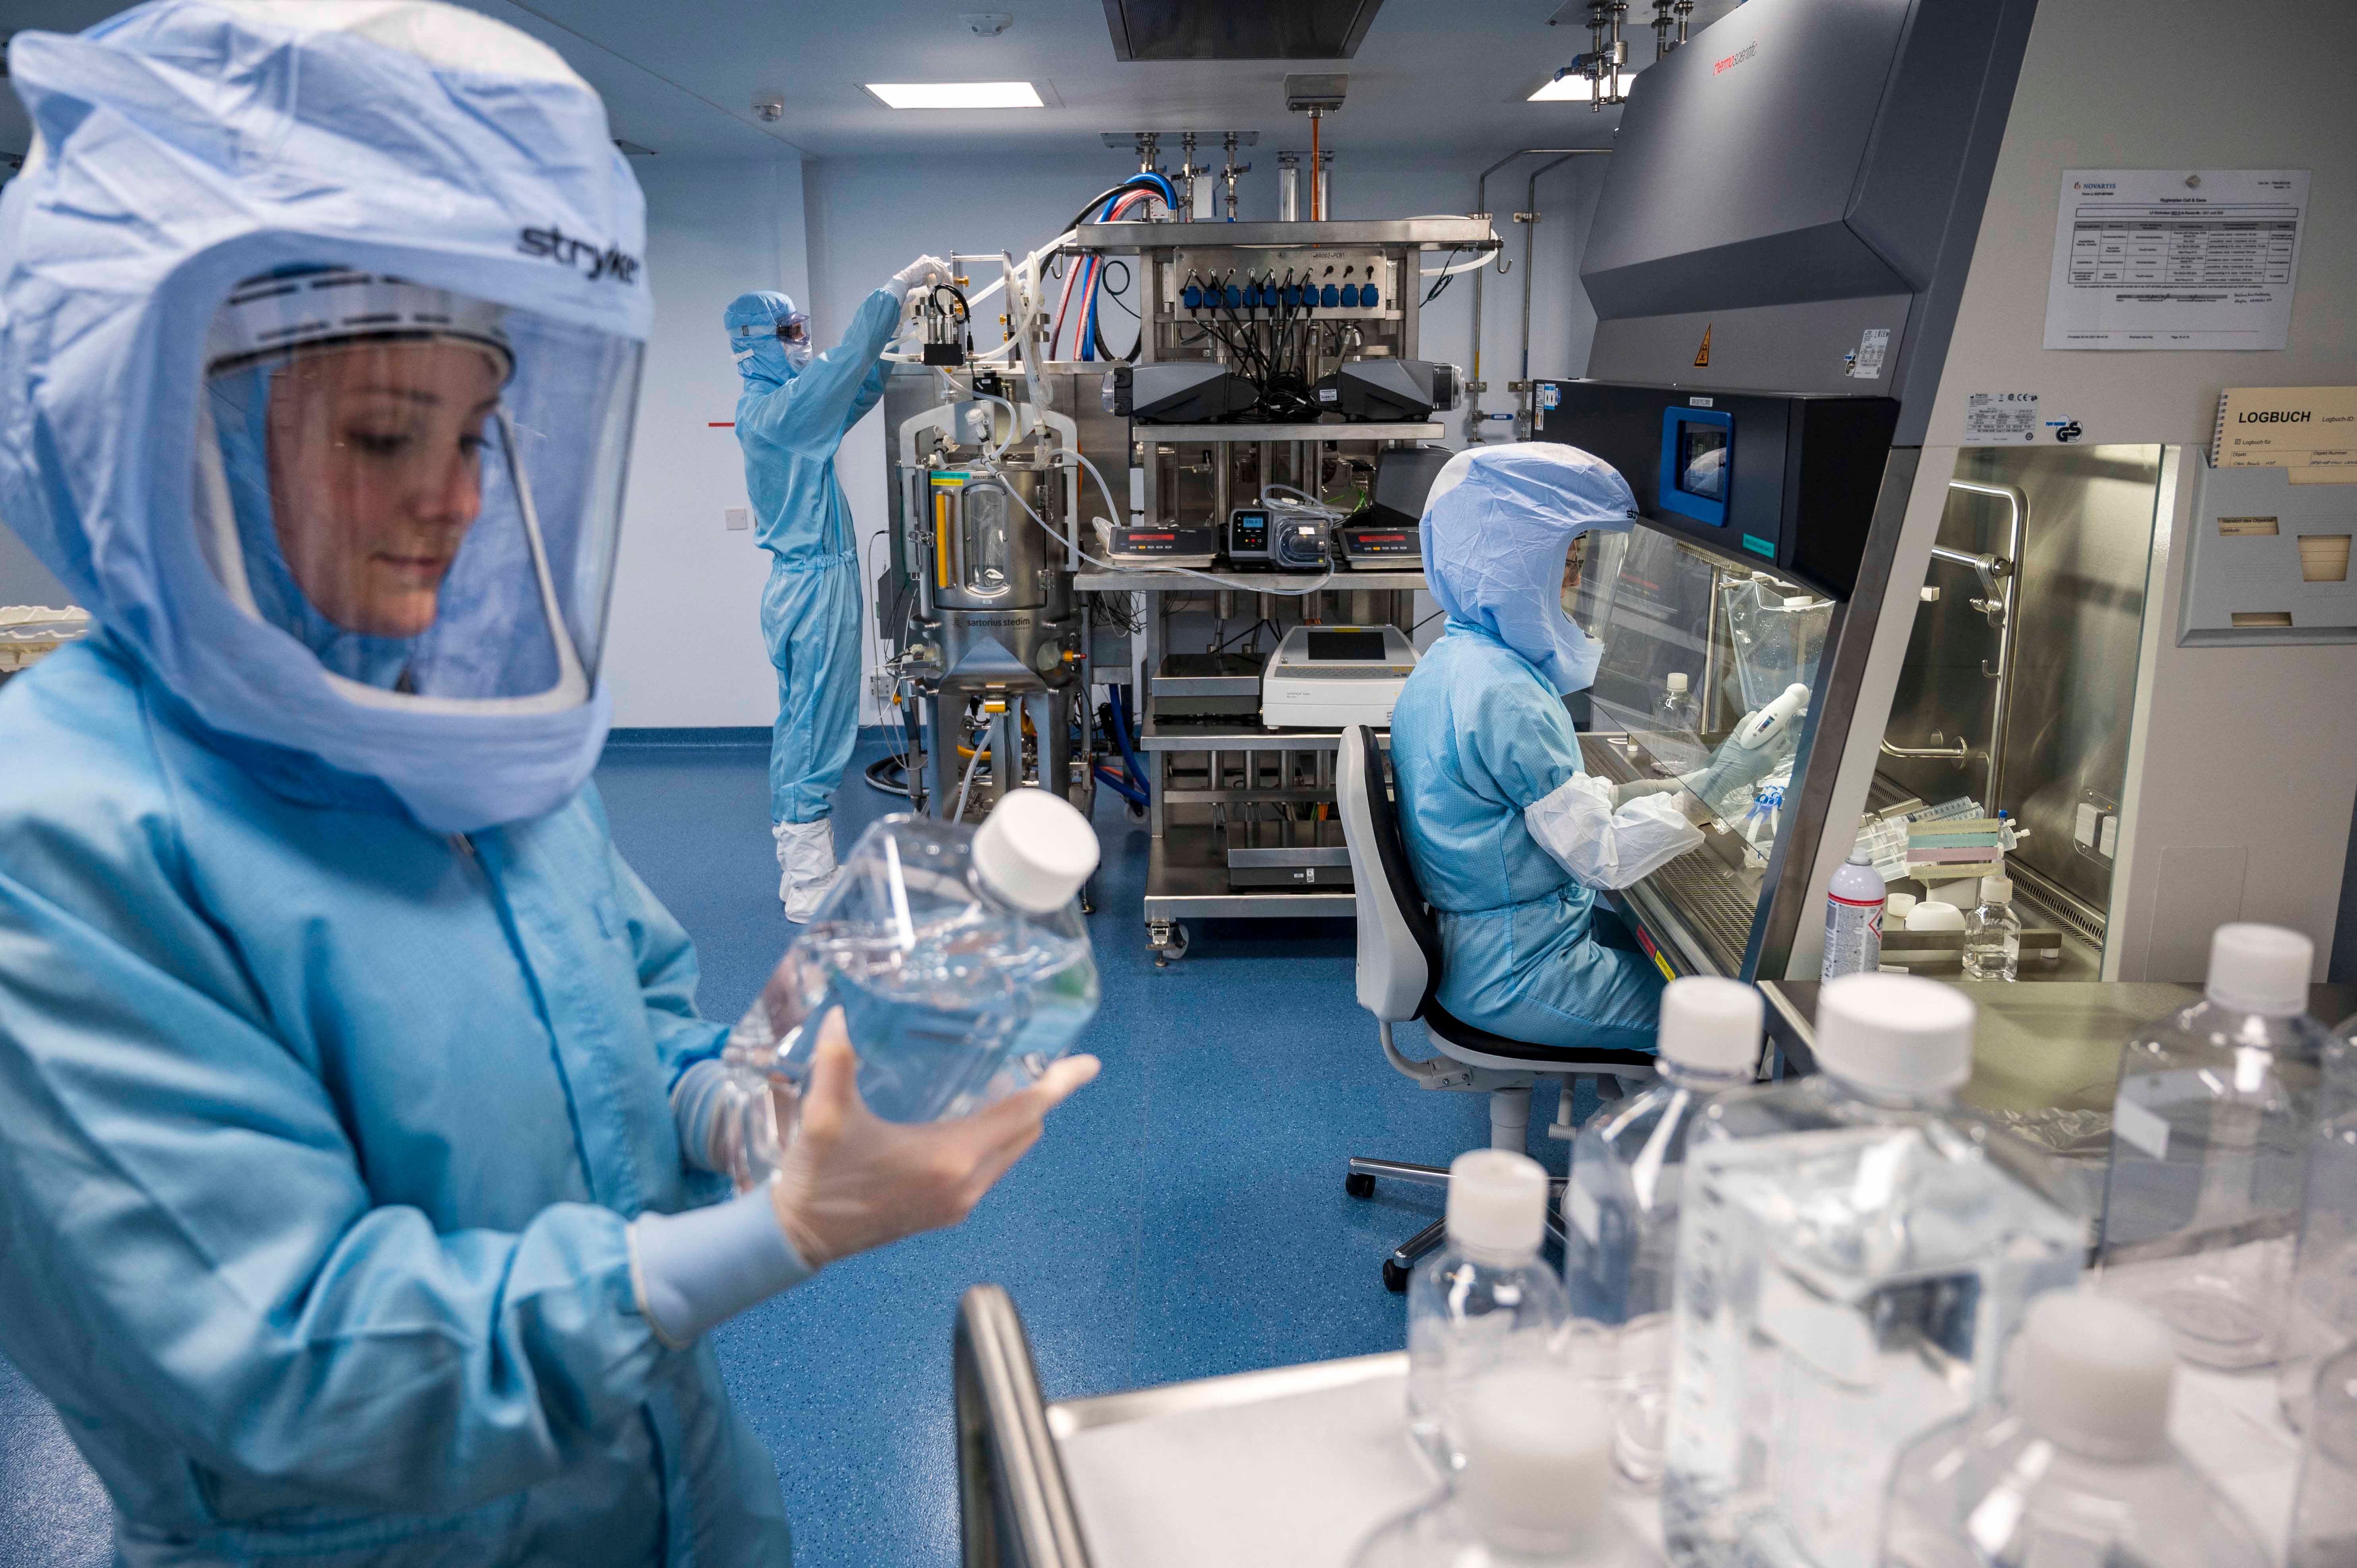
(1434, 77)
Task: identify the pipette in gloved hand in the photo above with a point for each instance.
(1761, 742)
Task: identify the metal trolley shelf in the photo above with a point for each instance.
(1224, 770)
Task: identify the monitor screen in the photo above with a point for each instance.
(1701, 460)
(1365, 646)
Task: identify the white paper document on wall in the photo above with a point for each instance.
(2176, 258)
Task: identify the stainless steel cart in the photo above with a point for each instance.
(1198, 774)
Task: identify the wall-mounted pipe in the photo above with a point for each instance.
(1481, 210)
(1530, 217)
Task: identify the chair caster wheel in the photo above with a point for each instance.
(1394, 1278)
(1359, 1184)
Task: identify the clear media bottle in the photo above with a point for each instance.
(1993, 933)
(2324, 1510)
(1620, 1207)
(1853, 1253)
(959, 958)
(2211, 1130)
(1676, 741)
(1535, 1491)
(2075, 1467)
(1853, 917)
(2322, 1315)
(1486, 1300)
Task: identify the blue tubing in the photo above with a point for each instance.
(1128, 748)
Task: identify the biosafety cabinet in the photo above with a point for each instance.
(1907, 426)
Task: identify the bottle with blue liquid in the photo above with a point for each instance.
(961, 962)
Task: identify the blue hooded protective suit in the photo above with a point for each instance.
(337, 1046)
(790, 420)
(1508, 835)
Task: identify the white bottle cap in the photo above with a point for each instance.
(1997, 889)
(1538, 1458)
(1035, 850)
(1861, 853)
(1897, 907)
(1497, 1201)
(1895, 1033)
(1710, 1024)
(2260, 968)
(1677, 680)
(2095, 1374)
(1932, 915)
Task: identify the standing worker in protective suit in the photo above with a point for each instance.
(360, 1200)
(793, 413)
(1509, 837)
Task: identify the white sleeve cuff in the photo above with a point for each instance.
(1603, 847)
(693, 1270)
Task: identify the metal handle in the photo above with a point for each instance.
(1014, 1506)
(1960, 753)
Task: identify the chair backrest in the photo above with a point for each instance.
(1399, 946)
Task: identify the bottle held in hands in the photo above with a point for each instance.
(959, 957)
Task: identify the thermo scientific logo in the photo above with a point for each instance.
(581, 255)
(1738, 57)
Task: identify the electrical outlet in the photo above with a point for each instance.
(738, 518)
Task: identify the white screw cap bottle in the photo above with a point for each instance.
(1035, 850)
(1894, 1033)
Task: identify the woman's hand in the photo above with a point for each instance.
(851, 1181)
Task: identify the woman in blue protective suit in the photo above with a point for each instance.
(1509, 838)
(793, 413)
(357, 1143)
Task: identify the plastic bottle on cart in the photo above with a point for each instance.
(960, 960)
(2211, 1130)
(2322, 1315)
(1620, 1207)
(2324, 1509)
(1486, 1300)
(1534, 1492)
(1993, 933)
(2075, 1467)
(1853, 1253)
(1853, 917)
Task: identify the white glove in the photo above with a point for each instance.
(851, 1180)
(923, 272)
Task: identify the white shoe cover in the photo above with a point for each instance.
(806, 865)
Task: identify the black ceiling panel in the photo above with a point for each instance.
(1238, 29)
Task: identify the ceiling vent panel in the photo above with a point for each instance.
(1238, 29)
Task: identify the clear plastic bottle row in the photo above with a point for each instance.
(1842, 1321)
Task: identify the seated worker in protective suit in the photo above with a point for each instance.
(1510, 839)
(793, 413)
(357, 1188)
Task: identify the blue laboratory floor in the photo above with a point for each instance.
(1184, 1216)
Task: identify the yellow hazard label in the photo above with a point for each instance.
(1702, 355)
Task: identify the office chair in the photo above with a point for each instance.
(1399, 977)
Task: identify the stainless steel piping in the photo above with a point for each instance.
(1481, 210)
(1530, 217)
(1999, 709)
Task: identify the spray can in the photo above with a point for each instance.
(1853, 917)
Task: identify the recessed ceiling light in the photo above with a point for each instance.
(957, 94)
(1575, 90)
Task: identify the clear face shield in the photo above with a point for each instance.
(795, 333)
(423, 488)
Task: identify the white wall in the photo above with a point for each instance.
(686, 646)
